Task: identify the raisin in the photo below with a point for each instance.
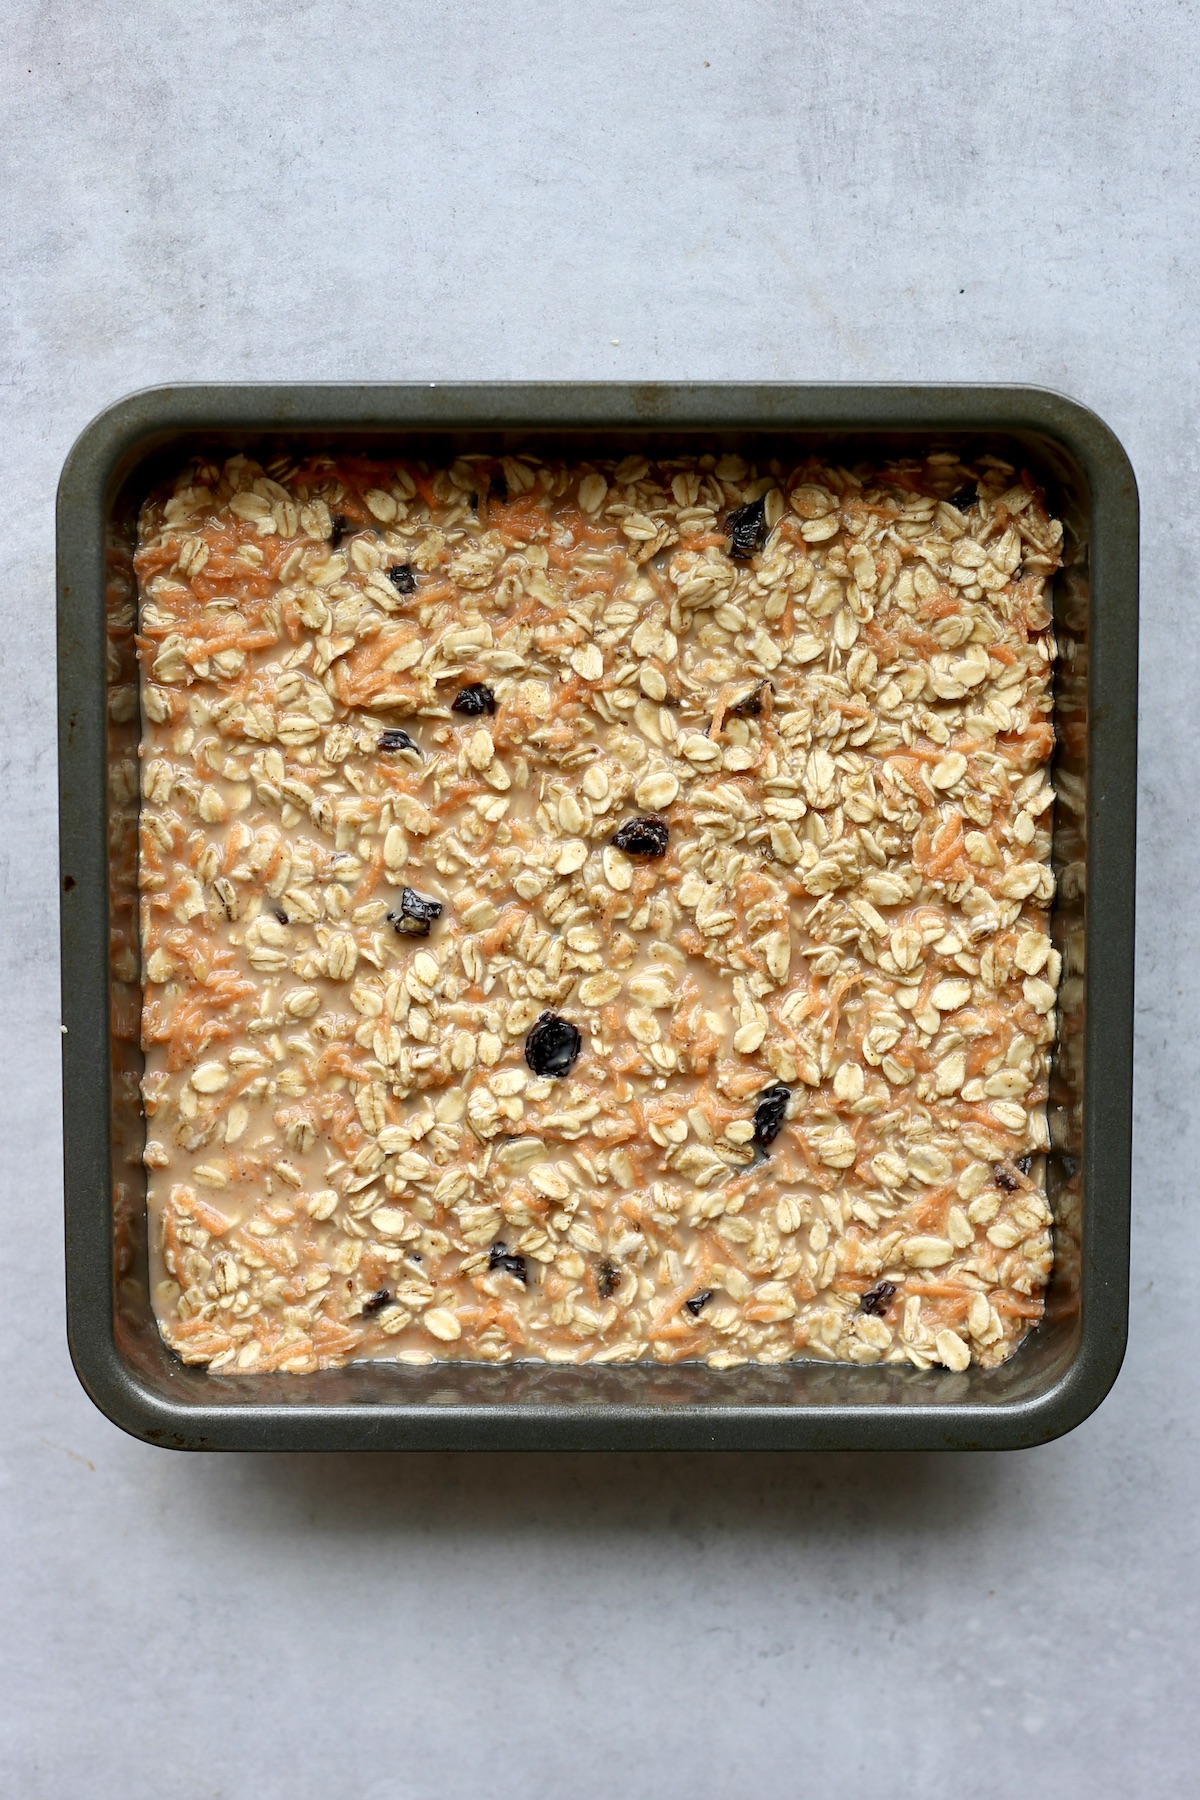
(606, 1280)
(501, 1257)
(498, 489)
(966, 496)
(1023, 1164)
(770, 1113)
(698, 1302)
(394, 738)
(750, 705)
(642, 837)
(878, 1299)
(280, 914)
(1004, 1180)
(747, 528)
(403, 579)
(552, 1045)
(375, 1303)
(339, 525)
(415, 915)
(474, 699)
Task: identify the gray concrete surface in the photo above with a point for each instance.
(783, 188)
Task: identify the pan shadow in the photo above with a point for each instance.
(787, 1495)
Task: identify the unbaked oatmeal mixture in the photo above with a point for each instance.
(596, 911)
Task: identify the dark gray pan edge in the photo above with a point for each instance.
(1065, 1369)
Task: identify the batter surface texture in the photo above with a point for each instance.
(595, 912)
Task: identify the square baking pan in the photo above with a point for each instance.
(1063, 1369)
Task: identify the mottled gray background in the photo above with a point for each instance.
(912, 189)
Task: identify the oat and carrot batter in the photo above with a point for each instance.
(595, 912)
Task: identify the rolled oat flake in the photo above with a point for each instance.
(750, 705)
(553, 1045)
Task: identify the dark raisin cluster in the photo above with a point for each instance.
(473, 700)
(643, 837)
(747, 529)
(751, 704)
(501, 1257)
(553, 1045)
(770, 1114)
(415, 914)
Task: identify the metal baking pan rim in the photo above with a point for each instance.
(127, 431)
